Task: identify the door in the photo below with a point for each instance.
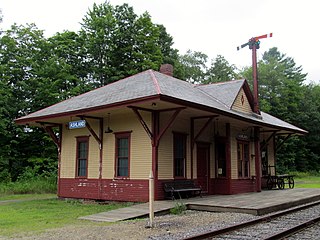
(203, 173)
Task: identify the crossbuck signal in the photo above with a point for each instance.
(254, 44)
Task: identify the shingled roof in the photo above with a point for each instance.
(150, 84)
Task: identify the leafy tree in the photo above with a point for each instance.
(118, 43)
(23, 57)
(194, 66)
(281, 93)
(221, 71)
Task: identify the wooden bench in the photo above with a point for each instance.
(181, 188)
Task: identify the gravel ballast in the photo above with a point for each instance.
(165, 227)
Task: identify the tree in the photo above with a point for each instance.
(29, 75)
(221, 71)
(119, 43)
(281, 92)
(194, 66)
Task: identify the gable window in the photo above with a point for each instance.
(179, 154)
(82, 156)
(243, 159)
(122, 157)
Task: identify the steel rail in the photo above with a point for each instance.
(293, 230)
(268, 218)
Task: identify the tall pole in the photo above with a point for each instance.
(255, 77)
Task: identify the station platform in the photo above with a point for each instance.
(251, 203)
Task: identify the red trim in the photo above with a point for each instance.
(257, 161)
(155, 81)
(228, 155)
(206, 147)
(243, 159)
(224, 113)
(183, 137)
(121, 135)
(79, 140)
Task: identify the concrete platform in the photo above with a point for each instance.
(252, 203)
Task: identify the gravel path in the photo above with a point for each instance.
(166, 227)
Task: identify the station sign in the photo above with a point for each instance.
(243, 137)
(77, 124)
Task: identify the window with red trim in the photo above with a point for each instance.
(122, 157)
(243, 159)
(82, 156)
(179, 154)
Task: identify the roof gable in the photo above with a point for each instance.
(241, 102)
(228, 92)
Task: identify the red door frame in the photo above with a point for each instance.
(205, 147)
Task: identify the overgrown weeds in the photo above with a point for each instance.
(179, 208)
(35, 185)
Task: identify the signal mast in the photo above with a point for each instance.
(254, 44)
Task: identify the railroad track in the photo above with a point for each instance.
(274, 226)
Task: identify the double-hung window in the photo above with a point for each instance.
(82, 156)
(122, 157)
(179, 154)
(243, 159)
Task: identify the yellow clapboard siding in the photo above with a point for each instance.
(68, 152)
(140, 146)
(241, 103)
(165, 161)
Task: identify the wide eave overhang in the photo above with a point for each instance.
(254, 120)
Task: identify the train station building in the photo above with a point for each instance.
(111, 138)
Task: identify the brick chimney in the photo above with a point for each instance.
(167, 69)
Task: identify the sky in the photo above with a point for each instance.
(209, 26)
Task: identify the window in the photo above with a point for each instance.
(243, 159)
(122, 154)
(179, 154)
(82, 156)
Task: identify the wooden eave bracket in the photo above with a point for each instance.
(194, 139)
(155, 137)
(169, 123)
(268, 139)
(283, 141)
(142, 121)
(48, 127)
(96, 137)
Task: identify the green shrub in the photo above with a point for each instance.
(178, 208)
(35, 185)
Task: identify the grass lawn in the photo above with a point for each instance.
(38, 215)
(27, 196)
(307, 182)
